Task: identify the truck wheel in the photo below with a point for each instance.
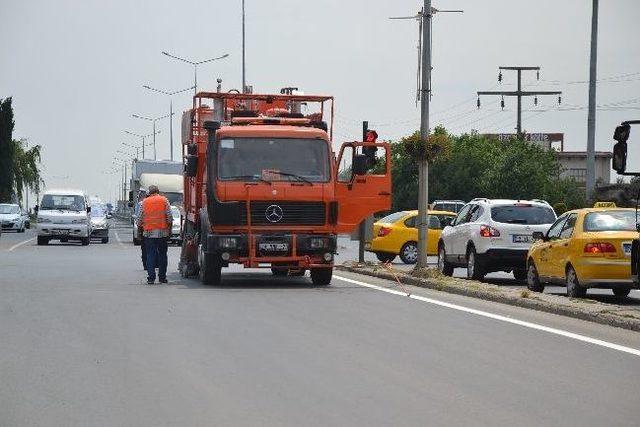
(42, 240)
(385, 257)
(475, 267)
(621, 292)
(105, 240)
(533, 280)
(445, 267)
(86, 241)
(210, 267)
(574, 290)
(321, 276)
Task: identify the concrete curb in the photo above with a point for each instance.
(593, 311)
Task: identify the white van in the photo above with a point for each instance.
(63, 215)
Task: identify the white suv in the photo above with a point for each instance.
(493, 235)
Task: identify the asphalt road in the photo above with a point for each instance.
(84, 342)
(349, 251)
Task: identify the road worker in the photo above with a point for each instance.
(156, 221)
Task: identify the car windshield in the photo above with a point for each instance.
(393, 217)
(610, 221)
(62, 202)
(9, 209)
(97, 211)
(523, 214)
(175, 212)
(273, 159)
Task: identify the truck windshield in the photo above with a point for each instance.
(62, 202)
(273, 159)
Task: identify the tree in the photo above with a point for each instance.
(19, 164)
(6, 150)
(476, 166)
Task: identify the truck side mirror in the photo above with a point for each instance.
(360, 164)
(191, 166)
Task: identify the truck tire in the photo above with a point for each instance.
(42, 240)
(321, 276)
(105, 240)
(210, 267)
(86, 241)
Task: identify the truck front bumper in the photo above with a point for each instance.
(269, 249)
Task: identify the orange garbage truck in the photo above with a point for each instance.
(263, 187)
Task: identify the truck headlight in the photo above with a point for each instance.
(227, 242)
(318, 242)
(79, 221)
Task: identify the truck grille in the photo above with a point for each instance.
(285, 213)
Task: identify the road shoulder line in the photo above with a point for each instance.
(498, 317)
(17, 245)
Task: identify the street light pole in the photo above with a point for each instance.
(195, 66)
(153, 120)
(170, 95)
(591, 119)
(142, 137)
(423, 166)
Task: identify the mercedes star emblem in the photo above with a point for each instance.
(273, 213)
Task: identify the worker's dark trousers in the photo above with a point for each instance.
(156, 255)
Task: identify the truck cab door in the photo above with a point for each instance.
(362, 191)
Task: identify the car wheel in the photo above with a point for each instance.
(385, 257)
(520, 274)
(444, 267)
(475, 269)
(574, 289)
(321, 276)
(42, 240)
(409, 253)
(621, 292)
(533, 280)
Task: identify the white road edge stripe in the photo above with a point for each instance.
(530, 325)
(17, 245)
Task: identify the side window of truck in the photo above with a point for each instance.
(345, 171)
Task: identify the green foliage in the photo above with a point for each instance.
(475, 166)
(560, 208)
(6, 150)
(19, 164)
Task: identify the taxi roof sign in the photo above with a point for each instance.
(604, 205)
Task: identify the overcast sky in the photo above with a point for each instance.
(75, 69)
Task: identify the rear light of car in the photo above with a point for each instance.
(599, 248)
(488, 231)
(384, 231)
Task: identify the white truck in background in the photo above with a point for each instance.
(170, 186)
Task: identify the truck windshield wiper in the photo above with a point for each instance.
(251, 177)
(298, 177)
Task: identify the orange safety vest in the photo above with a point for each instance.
(154, 209)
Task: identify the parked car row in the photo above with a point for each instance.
(581, 249)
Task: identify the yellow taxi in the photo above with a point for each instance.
(585, 248)
(397, 234)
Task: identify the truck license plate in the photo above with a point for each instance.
(273, 247)
(60, 232)
(522, 238)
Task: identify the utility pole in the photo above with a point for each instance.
(519, 93)
(244, 81)
(423, 166)
(591, 120)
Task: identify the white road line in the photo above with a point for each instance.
(530, 325)
(118, 238)
(17, 245)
